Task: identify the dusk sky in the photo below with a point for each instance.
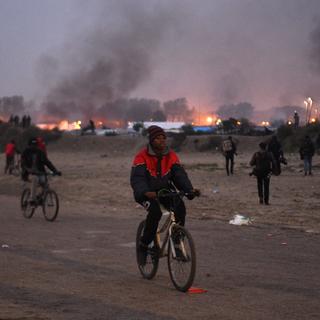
(213, 52)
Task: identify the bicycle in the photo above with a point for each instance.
(177, 245)
(47, 199)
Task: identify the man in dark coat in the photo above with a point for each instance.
(229, 150)
(306, 153)
(275, 147)
(154, 168)
(263, 163)
(10, 151)
(33, 162)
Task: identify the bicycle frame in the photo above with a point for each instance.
(166, 228)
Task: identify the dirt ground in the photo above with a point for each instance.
(96, 173)
(82, 266)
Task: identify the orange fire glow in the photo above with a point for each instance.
(63, 125)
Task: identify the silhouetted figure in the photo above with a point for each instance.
(24, 121)
(263, 163)
(42, 145)
(10, 151)
(306, 153)
(16, 120)
(318, 144)
(274, 146)
(11, 119)
(92, 126)
(296, 119)
(28, 121)
(229, 150)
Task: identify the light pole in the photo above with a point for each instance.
(308, 104)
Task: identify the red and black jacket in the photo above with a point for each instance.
(153, 173)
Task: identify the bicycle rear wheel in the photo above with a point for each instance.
(181, 258)
(27, 209)
(50, 205)
(150, 269)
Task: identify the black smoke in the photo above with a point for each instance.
(315, 48)
(104, 66)
(236, 111)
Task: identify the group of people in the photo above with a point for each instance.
(267, 161)
(34, 160)
(157, 167)
(11, 151)
(24, 123)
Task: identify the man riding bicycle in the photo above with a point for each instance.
(33, 162)
(154, 168)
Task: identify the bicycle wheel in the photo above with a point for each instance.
(27, 209)
(181, 258)
(150, 269)
(50, 205)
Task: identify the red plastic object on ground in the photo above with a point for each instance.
(196, 290)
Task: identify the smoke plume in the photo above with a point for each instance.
(104, 65)
(213, 53)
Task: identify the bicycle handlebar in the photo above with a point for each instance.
(172, 194)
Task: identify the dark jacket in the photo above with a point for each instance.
(306, 149)
(153, 173)
(275, 148)
(264, 163)
(34, 161)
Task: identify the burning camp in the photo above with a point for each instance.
(160, 159)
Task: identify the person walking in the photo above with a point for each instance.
(306, 153)
(42, 145)
(275, 147)
(263, 163)
(9, 151)
(229, 150)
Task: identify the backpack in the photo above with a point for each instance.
(263, 164)
(227, 146)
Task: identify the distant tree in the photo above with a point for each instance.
(141, 109)
(158, 115)
(276, 123)
(229, 125)
(286, 112)
(129, 109)
(245, 126)
(11, 105)
(240, 110)
(177, 110)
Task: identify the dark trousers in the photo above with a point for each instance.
(263, 188)
(307, 163)
(229, 163)
(154, 216)
(9, 164)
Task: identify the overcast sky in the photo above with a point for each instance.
(212, 52)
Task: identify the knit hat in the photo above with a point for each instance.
(155, 131)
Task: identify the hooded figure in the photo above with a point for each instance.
(263, 163)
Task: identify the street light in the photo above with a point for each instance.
(308, 103)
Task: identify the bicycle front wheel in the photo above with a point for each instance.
(50, 205)
(150, 268)
(27, 209)
(181, 258)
